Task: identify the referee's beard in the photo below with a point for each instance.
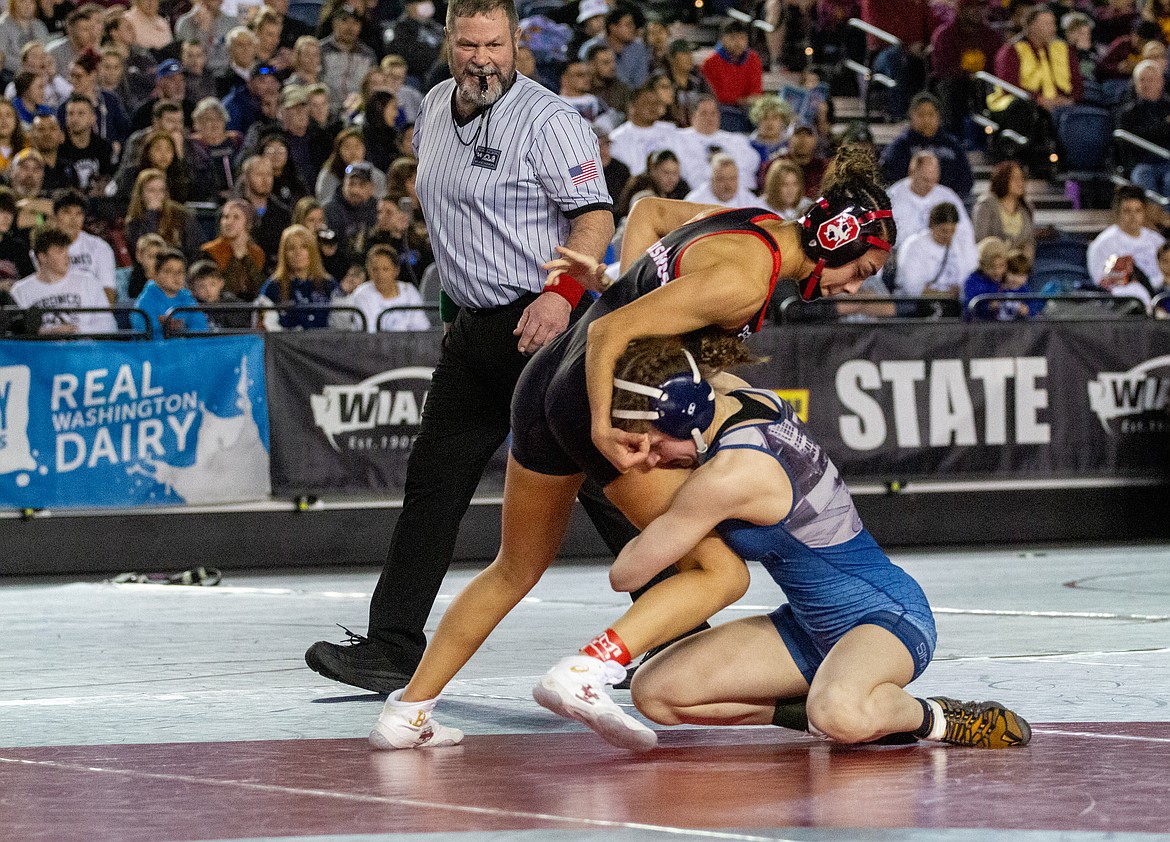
(472, 92)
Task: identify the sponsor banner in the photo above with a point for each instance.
(1057, 399)
(346, 408)
(95, 424)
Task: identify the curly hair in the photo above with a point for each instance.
(853, 177)
(653, 360)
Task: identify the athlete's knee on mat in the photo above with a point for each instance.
(842, 714)
(656, 694)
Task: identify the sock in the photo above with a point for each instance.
(791, 713)
(934, 722)
(607, 646)
(395, 701)
(927, 720)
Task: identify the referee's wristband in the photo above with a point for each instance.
(567, 287)
(447, 307)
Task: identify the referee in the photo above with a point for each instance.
(507, 172)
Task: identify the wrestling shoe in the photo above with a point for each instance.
(357, 662)
(575, 689)
(410, 725)
(978, 724)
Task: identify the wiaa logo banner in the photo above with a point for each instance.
(1133, 402)
(92, 424)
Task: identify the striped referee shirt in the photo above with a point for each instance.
(499, 193)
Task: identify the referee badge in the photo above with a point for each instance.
(486, 157)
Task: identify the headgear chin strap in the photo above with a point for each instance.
(834, 236)
(682, 407)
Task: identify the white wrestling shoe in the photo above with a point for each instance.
(409, 725)
(575, 689)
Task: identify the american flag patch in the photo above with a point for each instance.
(585, 171)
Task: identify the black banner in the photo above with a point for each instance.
(894, 401)
(345, 408)
(969, 401)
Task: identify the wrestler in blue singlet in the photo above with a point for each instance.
(831, 569)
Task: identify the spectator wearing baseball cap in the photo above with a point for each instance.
(256, 102)
(308, 145)
(353, 210)
(170, 85)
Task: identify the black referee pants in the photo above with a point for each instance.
(465, 420)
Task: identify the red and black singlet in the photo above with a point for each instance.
(660, 264)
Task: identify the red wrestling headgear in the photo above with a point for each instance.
(834, 235)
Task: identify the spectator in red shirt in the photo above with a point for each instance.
(736, 75)
(959, 49)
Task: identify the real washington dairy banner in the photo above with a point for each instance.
(90, 423)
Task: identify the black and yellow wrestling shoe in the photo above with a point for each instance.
(979, 724)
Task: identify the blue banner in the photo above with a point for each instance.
(93, 424)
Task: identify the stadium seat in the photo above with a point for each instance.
(1061, 250)
(306, 12)
(429, 284)
(1085, 134)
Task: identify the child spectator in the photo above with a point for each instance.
(166, 291)
(351, 281)
(206, 283)
(384, 292)
(146, 250)
(994, 278)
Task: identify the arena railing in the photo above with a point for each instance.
(429, 309)
(865, 73)
(255, 311)
(1076, 307)
(342, 318)
(990, 127)
(18, 322)
(1126, 139)
(883, 308)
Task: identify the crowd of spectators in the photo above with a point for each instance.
(268, 157)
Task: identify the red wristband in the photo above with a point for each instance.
(567, 287)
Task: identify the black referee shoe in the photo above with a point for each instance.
(357, 662)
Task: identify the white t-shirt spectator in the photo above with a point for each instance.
(698, 149)
(74, 290)
(367, 299)
(925, 266)
(1143, 249)
(90, 255)
(742, 198)
(912, 214)
(632, 144)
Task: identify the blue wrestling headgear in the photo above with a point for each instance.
(682, 407)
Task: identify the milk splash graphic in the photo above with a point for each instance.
(231, 462)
